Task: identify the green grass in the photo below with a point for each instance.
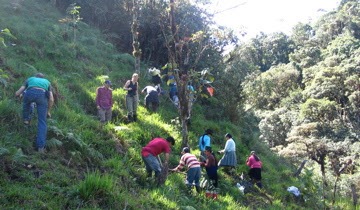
(90, 166)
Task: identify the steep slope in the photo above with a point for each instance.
(92, 166)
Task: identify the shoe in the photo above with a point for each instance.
(26, 122)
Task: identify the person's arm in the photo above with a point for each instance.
(126, 86)
(97, 99)
(227, 146)
(167, 155)
(51, 103)
(111, 99)
(207, 140)
(20, 91)
(206, 164)
(248, 161)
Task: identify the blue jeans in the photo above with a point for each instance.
(152, 164)
(39, 97)
(193, 175)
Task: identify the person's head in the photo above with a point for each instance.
(39, 75)
(228, 136)
(171, 140)
(252, 153)
(185, 150)
(135, 77)
(208, 132)
(107, 83)
(208, 149)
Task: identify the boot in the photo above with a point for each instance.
(259, 184)
(198, 189)
(135, 117)
(130, 118)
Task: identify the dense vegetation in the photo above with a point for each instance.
(299, 94)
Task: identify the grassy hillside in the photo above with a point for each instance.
(89, 166)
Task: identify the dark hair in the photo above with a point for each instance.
(39, 75)
(186, 150)
(171, 140)
(208, 131)
(228, 135)
(207, 148)
(255, 156)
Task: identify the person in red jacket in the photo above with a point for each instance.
(255, 165)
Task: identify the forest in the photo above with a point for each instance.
(295, 99)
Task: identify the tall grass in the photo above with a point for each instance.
(94, 166)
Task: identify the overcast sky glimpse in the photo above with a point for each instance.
(254, 16)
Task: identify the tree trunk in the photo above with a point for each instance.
(135, 35)
(298, 172)
(354, 195)
(180, 74)
(335, 187)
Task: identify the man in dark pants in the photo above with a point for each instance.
(151, 98)
(150, 154)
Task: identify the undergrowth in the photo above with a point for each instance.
(88, 165)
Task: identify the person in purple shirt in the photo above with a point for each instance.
(104, 101)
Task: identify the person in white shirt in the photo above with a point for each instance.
(152, 97)
(229, 158)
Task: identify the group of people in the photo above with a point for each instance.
(193, 164)
(104, 100)
(38, 90)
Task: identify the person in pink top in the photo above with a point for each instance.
(150, 153)
(193, 173)
(255, 165)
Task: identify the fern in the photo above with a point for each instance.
(4, 151)
(53, 143)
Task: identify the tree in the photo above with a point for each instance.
(135, 34)
(186, 41)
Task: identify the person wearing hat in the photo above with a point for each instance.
(37, 89)
(150, 153)
(229, 159)
(255, 165)
(104, 101)
(193, 173)
(204, 141)
(211, 166)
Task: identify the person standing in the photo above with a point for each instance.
(104, 102)
(211, 166)
(193, 173)
(132, 97)
(229, 158)
(150, 153)
(151, 98)
(204, 141)
(37, 89)
(255, 165)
